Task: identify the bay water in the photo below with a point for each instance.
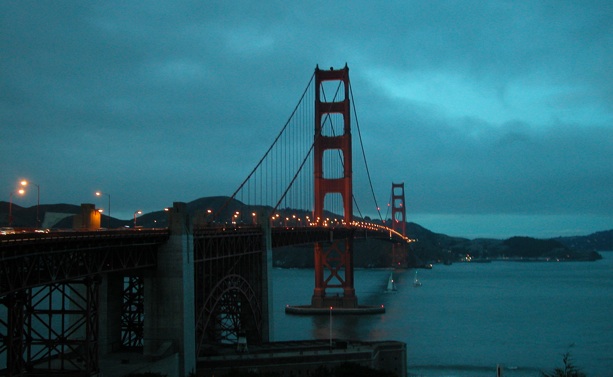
(467, 318)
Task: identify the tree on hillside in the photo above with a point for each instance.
(569, 369)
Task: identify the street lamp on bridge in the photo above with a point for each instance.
(136, 213)
(20, 192)
(24, 183)
(100, 193)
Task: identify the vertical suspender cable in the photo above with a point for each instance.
(364, 155)
(260, 162)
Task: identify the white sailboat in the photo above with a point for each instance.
(416, 282)
(391, 286)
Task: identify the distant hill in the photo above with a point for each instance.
(430, 247)
(598, 241)
(26, 217)
(52, 216)
(439, 248)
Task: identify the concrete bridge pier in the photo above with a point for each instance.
(267, 293)
(111, 304)
(170, 326)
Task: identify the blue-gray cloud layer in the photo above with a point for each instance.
(498, 107)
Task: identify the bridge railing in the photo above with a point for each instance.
(226, 230)
(393, 234)
(71, 234)
(308, 233)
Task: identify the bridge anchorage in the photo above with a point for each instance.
(334, 280)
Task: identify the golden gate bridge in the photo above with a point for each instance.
(202, 281)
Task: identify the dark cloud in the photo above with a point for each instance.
(483, 109)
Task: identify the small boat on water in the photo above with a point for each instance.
(416, 282)
(391, 286)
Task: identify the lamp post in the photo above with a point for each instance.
(20, 192)
(24, 183)
(207, 219)
(100, 211)
(136, 213)
(100, 193)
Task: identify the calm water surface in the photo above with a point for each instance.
(467, 318)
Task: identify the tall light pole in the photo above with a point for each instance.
(24, 183)
(100, 193)
(136, 213)
(20, 192)
(207, 219)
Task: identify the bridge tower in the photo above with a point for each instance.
(399, 212)
(338, 257)
(399, 224)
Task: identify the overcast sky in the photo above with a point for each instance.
(497, 115)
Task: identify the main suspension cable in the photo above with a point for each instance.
(270, 148)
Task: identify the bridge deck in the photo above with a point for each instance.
(32, 259)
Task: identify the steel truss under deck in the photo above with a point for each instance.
(133, 313)
(49, 290)
(229, 286)
(53, 329)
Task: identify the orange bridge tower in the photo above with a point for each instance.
(334, 290)
(399, 224)
(337, 259)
